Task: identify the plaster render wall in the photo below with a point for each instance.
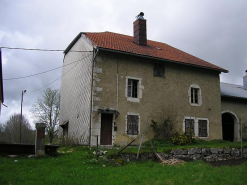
(168, 94)
(76, 91)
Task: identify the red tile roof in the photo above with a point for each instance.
(125, 43)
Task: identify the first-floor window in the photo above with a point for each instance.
(132, 124)
(189, 125)
(203, 128)
(194, 95)
(132, 88)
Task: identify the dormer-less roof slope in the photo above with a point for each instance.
(233, 91)
(157, 50)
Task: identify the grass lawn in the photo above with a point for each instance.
(76, 166)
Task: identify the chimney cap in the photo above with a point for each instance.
(140, 16)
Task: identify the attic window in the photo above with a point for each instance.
(159, 69)
(158, 48)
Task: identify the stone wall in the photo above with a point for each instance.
(193, 154)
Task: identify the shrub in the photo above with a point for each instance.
(163, 129)
(164, 123)
(182, 139)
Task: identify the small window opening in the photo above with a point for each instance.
(158, 70)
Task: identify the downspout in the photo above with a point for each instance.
(117, 89)
(95, 51)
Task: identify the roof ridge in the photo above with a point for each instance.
(231, 84)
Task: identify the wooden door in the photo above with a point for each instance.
(106, 129)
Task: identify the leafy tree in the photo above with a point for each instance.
(10, 132)
(47, 111)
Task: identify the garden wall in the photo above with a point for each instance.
(12, 149)
(193, 154)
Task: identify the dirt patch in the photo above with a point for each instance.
(231, 162)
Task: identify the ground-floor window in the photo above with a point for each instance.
(189, 125)
(198, 126)
(133, 124)
(65, 126)
(203, 128)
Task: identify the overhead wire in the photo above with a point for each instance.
(16, 78)
(37, 49)
(58, 77)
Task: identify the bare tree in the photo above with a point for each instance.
(10, 132)
(47, 111)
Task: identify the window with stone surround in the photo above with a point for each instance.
(189, 125)
(133, 124)
(200, 126)
(133, 90)
(195, 98)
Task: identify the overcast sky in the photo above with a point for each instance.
(212, 30)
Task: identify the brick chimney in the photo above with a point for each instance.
(140, 31)
(245, 80)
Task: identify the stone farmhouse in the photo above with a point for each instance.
(113, 84)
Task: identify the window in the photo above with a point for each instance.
(132, 124)
(203, 128)
(158, 69)
(195, 97)
(65, 126)
(189, 125)
(132, 88)
(199, 126)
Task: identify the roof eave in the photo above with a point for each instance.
(172, 61)
(72, 43)
(234, 97)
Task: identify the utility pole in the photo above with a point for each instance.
(22, 92)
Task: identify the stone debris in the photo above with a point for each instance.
(31, 156)
(173, 161)
(100, 152)
(12, 156)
